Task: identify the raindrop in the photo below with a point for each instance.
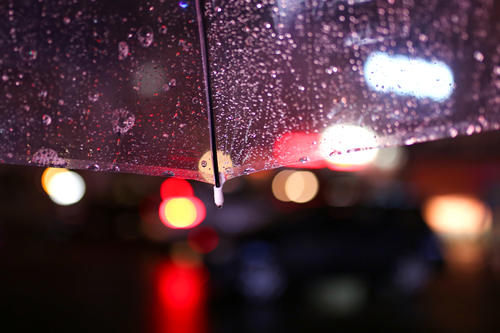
(172, 82)
(47, 157)
(304, 159)
(163, 29)
(478, 56)
(168, 173)
(5, 77)
(115, 168)
(302, 88)
(27, 54)
(93, 167)
(122, 121)
(145, 36)
(43, 94)
(46, 120)
(204, 163)
(332, 69)
(93, 97)
(66, 20)
(248, 171)
(122, 50)
(183, 4)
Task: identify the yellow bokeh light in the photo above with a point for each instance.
(205, 165)
(180, 212)
(301, 186)
(457, 216)
(278, 185)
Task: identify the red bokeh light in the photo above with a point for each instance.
(181, 295)
(176, 187)
(203, 240)
(295, 149)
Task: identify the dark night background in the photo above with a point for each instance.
(278, 267)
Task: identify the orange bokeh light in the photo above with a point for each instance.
(456, 215)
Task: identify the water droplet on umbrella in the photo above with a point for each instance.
(168, 173)
(248, 171)
(122, 50)
(93, 167)
(204, 163)
(27, 53)
(478, 56)
(453, 132)
(93, 97)
(163, 29)
(122, 121)
(145, 36)
(46, 119)
(47, 157)
(304, 159)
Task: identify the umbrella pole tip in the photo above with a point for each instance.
(218, 196)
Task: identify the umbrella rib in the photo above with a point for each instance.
(208, 97)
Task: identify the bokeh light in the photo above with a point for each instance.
(390, 159)
(203, 240)
(278, 185)
(457, 216)
(298, 150)
(348, 147)
(295, 186)
(409, 76)
(176, 187)
(205, 165)
(182, 212)
(63, 186)
(180, 297)
(301, 186)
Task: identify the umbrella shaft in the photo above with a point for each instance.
(208, 98)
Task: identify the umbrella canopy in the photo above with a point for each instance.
(136, 86)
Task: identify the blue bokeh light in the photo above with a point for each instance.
(183, 4)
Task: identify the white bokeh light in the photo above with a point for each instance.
(65, 188)
(348, 147)
(409, 76)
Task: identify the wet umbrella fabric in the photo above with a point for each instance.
(130, 87)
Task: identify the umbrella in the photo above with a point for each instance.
(211, 90)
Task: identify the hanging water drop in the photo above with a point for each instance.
(46, 120)
(122, 50)
(145, 36)
(168, 173)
